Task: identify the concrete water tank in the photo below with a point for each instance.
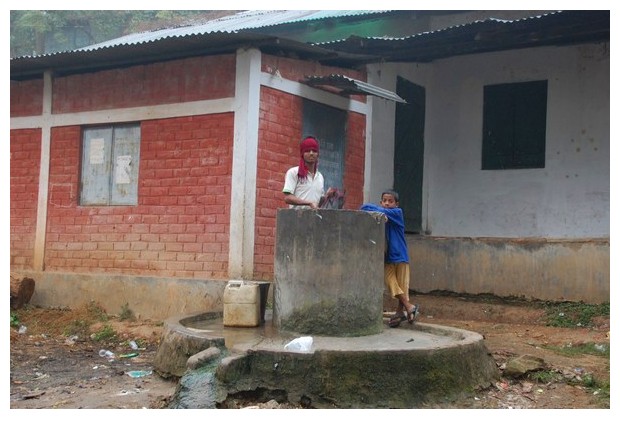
(328, 272)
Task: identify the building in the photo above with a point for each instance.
(147, 170)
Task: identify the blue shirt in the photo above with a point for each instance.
(394, 233)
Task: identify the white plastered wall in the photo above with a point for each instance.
(569, 198)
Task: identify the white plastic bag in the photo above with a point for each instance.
(301, 344)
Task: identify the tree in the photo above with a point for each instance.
(38, 32)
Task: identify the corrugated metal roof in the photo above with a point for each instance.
(225, 35)
(554, 28)
(242, 21)
(451, 28)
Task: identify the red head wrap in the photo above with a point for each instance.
(307, 144)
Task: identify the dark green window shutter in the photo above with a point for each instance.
(514, 125)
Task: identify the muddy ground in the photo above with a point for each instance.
(57, 362)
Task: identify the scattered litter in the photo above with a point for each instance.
(138, 374)
(133, 345)
(128, 392)
(106, 353)
(527, 387)
(128, 355)
(71, 340)
(40, 375)
(502, 385)
(301, 344)
(22, 329)
(33, 395)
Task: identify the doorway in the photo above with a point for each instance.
(409, 152)
(328, 124)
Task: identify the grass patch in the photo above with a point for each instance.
(105, 333)
(573, 314)
(77, 327)
(545, 377)
(582, 349)
(588, 381)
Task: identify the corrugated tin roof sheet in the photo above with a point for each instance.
(554, 28)
(225, 35)
(346, 85)
(241, 21)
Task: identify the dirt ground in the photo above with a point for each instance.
(57, 362)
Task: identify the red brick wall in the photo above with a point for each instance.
(280, 126)
(26, 98)
(296, 69)
(280, 130)
(191, 79)
(354, 158)
(24, 188)
(180, 226)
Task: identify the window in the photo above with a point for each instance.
(514, 125)
(110, 158)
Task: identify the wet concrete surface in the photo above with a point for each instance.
(431, 361)
(417, 336)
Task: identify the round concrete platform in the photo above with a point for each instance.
(403, 367)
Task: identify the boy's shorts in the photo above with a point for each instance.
(396, 278)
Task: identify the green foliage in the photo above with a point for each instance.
(37, 32)
(544, 377)
(582, 349)
(77, 327)
(105, 333)
(595, 386)
(574, 314)
(126, 313)
(14, 320)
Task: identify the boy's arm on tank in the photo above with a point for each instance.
(393, 215)
(378, 216)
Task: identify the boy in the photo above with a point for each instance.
(396, 268)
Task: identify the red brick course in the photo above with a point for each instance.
(24, 193)
(26, 98)
(191, 79)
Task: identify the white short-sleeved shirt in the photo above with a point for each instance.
(311, 189)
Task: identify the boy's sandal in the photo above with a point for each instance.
(395, 320)
(413, 314)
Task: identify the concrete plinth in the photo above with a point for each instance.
(328, 272)
(407, 367)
